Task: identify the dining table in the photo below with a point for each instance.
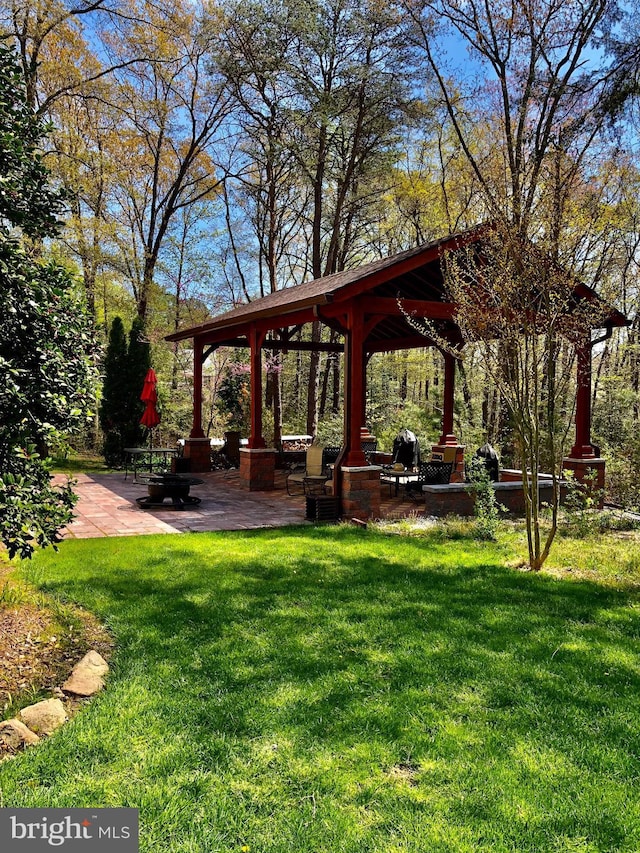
(147, 458)
(394, 478)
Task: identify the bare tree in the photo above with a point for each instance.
(533, 93)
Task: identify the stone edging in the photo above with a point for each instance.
(43, 718)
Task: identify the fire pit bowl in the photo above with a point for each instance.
(172, 486)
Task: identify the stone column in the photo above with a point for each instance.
(257, 468)
(588, 468)
(198, 452)
(361, 492)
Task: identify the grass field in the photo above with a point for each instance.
(328, 689)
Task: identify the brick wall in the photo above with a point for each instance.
(454, 499)
(198, 452)
(361, 492)
(257, 469)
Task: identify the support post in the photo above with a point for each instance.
(448, 438)
(583, 449)
(197, 448)
(354, 389)
(257, 468)
(196, 428)
(587, 466)
(256, 439)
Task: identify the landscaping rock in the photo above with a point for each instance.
(82, 684)
(44, 717)
(14, 735)
(86, 677)
(94, 662)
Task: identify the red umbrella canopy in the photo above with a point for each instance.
(149, 388)
(150, 417)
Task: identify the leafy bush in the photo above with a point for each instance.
(581, 504)
(31, 508)
(47, 348)
(486, 508)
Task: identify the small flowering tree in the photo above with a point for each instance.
(234, 395)
(520, 309)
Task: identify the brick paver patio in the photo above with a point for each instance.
(107, 507)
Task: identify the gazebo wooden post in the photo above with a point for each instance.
(583, 449)
(448, 447)
(354, 392)
(256, 339)
(360, 483)
(257, 461)
(197, 447)
(584, 460)
(448, 437)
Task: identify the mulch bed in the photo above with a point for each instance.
(38, 649)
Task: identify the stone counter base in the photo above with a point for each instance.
(456, 499)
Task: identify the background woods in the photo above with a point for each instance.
(212, 153)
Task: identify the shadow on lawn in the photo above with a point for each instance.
(399, 618)
(345, 646)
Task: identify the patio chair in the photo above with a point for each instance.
(369, 446)
(429, 474)
(313, 476)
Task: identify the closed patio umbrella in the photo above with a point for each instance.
(151, 416)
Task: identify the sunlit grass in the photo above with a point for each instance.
(74, 463)
(337, 689)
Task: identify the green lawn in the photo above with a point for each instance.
(336, 689)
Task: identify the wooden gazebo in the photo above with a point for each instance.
(368, 307)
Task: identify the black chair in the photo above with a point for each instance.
(330, 455)
(429, 474)
(369, 446)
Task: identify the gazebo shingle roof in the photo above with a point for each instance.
(415, 274)
(320, 291)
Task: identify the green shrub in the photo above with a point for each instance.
(32, 509)
(581, 504)
(486, 509)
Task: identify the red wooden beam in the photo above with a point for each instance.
(354, 390)
(389, 307)
(431, 254)
(448, 436)
(394, 344)
(285, 346)
(256, 339)
(583, 449)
